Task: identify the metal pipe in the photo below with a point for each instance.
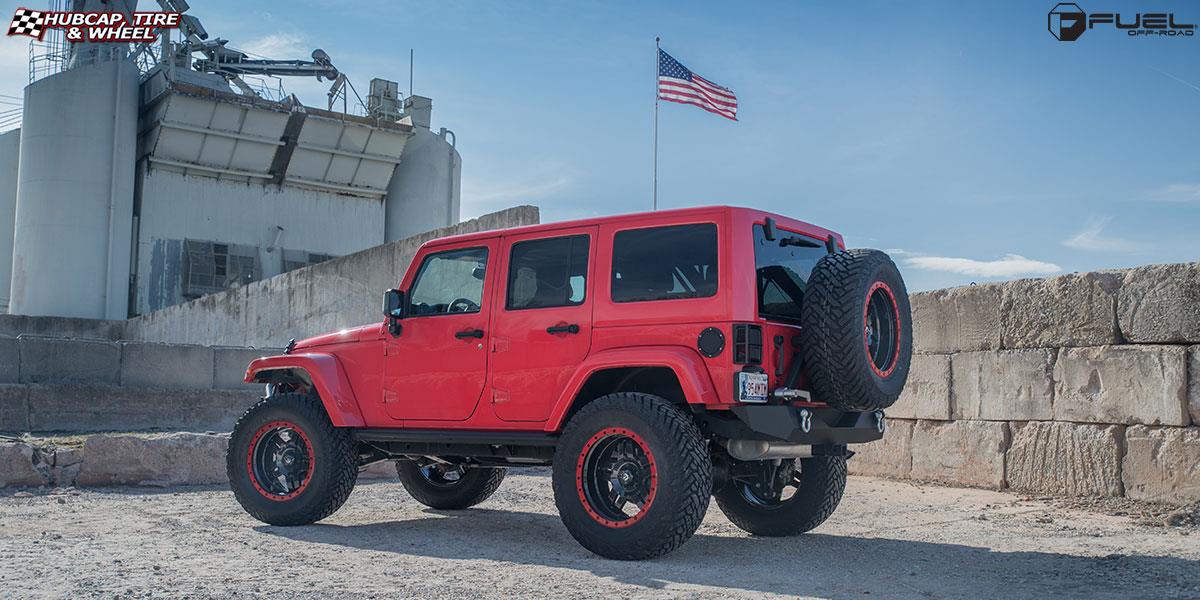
(358, 191)
(226, 134)
(450, 176)
(766, 450)
(785, 393)
(363, 155)
(113, 217)
(198, 167)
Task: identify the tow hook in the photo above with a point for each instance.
(806, 420)
(880, 426)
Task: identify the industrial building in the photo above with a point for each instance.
(146, 175)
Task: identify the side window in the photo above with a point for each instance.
(665, 263)
(549, 272)
(449, 282)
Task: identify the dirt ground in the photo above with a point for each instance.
(888, 540)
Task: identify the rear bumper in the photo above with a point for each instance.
(799, 425)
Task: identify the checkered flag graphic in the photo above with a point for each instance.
(27, 22)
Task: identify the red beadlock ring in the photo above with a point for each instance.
(273, 425)
(583, 454)
(879, 285)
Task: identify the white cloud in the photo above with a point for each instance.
(546, 184)
(280, 46)
(520, 192)
(1092, 240)
(1178, 192)
(1011, 265)
(1179, 80)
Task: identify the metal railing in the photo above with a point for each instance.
(51, 54)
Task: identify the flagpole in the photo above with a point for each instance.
(657, 66)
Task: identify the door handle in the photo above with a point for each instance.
(469, 333)
(572, 328)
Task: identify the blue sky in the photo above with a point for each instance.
(960, 136)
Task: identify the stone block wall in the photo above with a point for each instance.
(1085, 384)
(80, 385)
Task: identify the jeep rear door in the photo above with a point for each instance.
(542, 321)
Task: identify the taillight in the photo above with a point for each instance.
(747, 344)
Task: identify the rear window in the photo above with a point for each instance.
(782, 268)
(665, 263)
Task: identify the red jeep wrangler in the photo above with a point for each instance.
(653, 359)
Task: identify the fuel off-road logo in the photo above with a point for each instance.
(1067, 21)
(93, 26)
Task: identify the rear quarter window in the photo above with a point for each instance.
(665, 263)
(782, 268)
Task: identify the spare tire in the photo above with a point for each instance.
(856, 336)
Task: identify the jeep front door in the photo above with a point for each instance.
(543, 320)
(436, 368)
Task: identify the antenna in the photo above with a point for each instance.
(410, 71)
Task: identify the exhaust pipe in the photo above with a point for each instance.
(766, 450)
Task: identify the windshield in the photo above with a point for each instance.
(782, 268)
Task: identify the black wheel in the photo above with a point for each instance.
(856, 334)
(788, 499)
(287, 464)
(632, 476)
(448, 486)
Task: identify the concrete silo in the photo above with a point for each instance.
(152, 176)
(10, 152)
(75, 190)
(424, 192)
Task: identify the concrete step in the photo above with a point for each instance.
(153, 459)
(42, 408)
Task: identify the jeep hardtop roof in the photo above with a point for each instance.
(655, 218)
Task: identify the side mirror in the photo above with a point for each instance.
(393, 304)
(769, 230)
(393, 310)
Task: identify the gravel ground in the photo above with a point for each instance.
(888, 540)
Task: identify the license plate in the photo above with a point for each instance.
(752, 387)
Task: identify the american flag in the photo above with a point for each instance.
(677, 84)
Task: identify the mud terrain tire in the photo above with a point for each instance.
(821, 482)
(474, 485)
(856, 335)
(292, 427)
(665, 457)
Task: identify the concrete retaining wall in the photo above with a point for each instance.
(63, 384)
(14, 325)
(143, 459)
(328, 296)
(1086, 384)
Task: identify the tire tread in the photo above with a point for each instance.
(694, 485)
(822, 484)
(483, 482)
(338, 451)
(831, 330)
